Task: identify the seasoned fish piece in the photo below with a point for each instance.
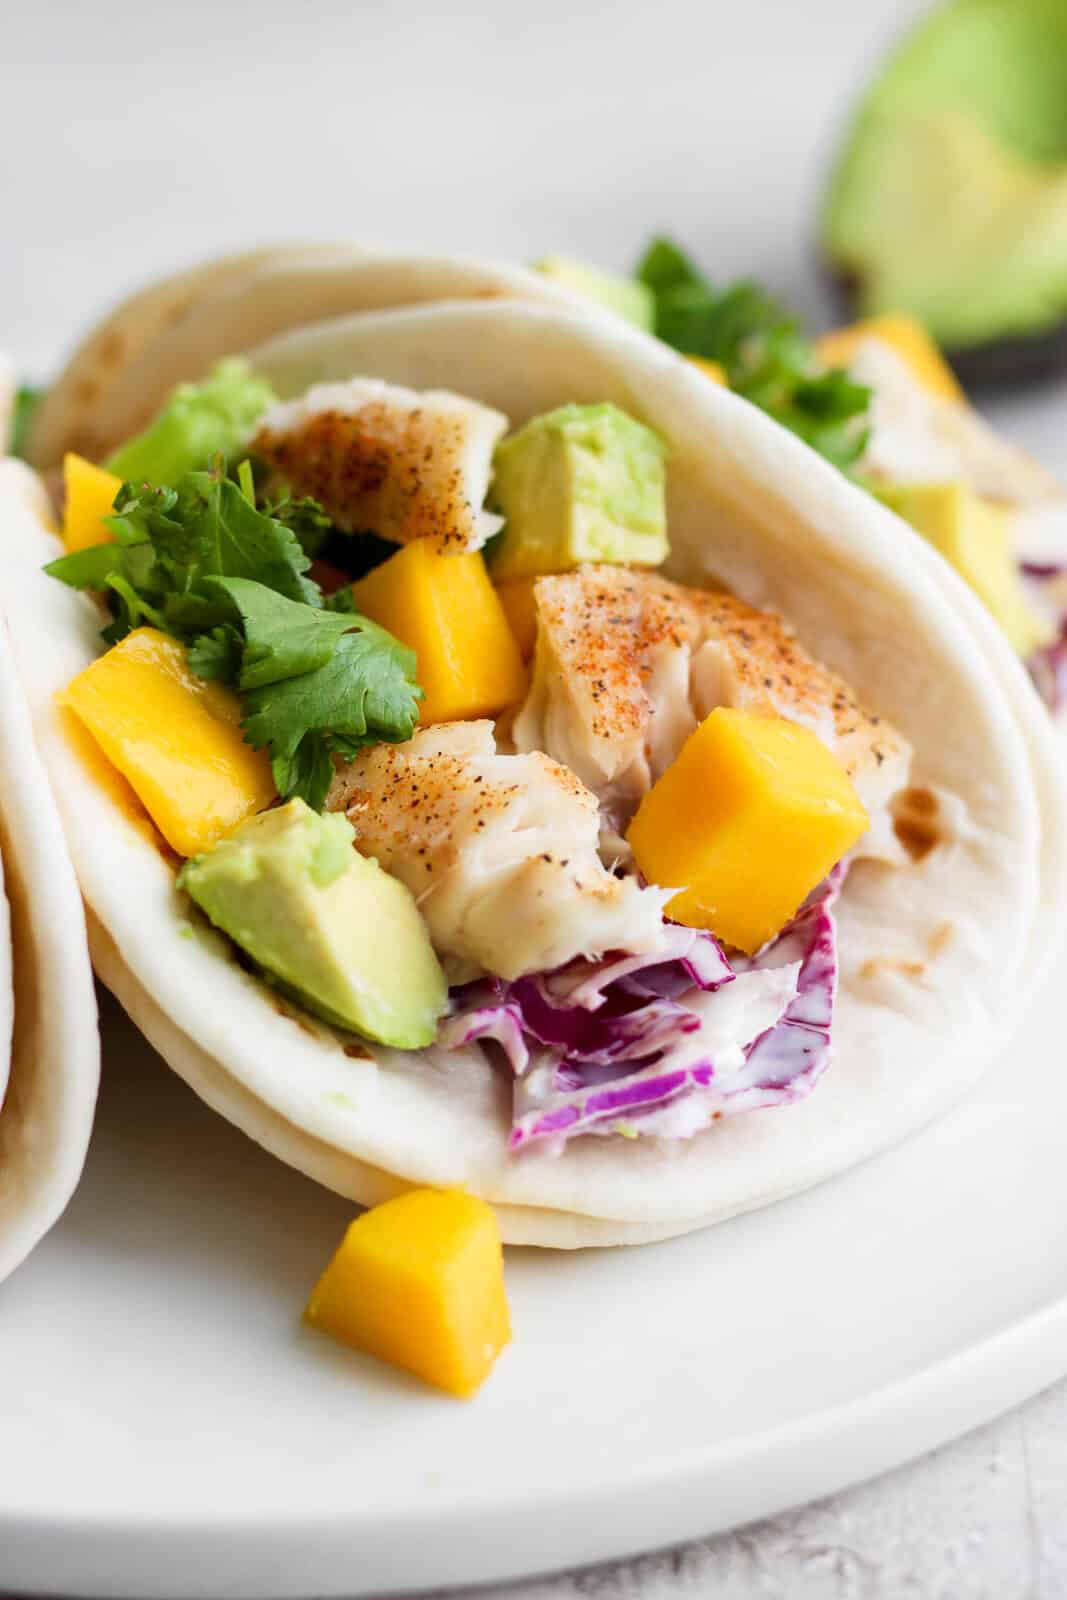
(499, 850)
(628, 663)
(387, 460)
(917, 437)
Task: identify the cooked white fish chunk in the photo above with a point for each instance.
(628, 663)
(500, 852)
(918, 437)
(388, 460)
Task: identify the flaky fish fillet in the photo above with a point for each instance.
(628, 663)
(386, 460)
(499, 850)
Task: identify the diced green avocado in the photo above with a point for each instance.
(582, 483)
(326, 924)
(198, 422)
(949, 200)
(625, 296)
(974, 535)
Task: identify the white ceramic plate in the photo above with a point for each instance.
(172, 1430)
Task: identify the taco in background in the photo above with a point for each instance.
(753, 700)
(49, 1047)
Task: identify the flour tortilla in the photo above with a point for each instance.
(175, 330)
(67, 417)
(49, 1046)
(749, 506)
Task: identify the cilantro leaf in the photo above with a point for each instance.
(206, 528)
(199, 561)
(361, 691)
(89, 568)
(170, 542)
(305, 518)
(217, 654)
(764, 354)
(282, 638)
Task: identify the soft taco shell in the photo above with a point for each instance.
(49, 1046)
(935, 956)
(175, 330)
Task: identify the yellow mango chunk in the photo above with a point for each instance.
(975, 535)
(90, 496)
(445, 608)
(520, 607)
(419, 1282)
(711, 369)
(908, 338)
(748, 818)
(175, 738)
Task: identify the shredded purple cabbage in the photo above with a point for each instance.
(1048, 669)
(661, 1044)
(1047, 666)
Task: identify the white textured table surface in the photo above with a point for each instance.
(137, 136)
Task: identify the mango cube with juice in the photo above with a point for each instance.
(748, 818)
(419, 1282)
(445, 609)
(175, 738)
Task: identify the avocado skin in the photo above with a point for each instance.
(999, 364)
(1012, 362)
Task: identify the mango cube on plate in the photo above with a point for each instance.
(175, 738)
(419, 1282)
(444, 608)
(748, 818)
(90, 497)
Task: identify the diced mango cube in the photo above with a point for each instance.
(908, 338)
(90, 496)
(711, 369)
(748, 818)
(445, 608)
(174, 737)
(975, 535)
(520, 608)
(419, 1282)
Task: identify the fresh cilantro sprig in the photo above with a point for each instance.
(202, 563)
(760, 347)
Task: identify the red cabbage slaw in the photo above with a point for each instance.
(661, 1044)
(1047, 665)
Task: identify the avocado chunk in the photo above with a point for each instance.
(198, 422)
(582, 483)
(974, 534)
(625, 296)
(949, 199)
(327, 925)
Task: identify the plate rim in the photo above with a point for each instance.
(716, 1487)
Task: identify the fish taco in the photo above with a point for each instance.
(494, 756)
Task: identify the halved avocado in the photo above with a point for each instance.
(949, 199)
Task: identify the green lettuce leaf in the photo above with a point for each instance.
(198, 422)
